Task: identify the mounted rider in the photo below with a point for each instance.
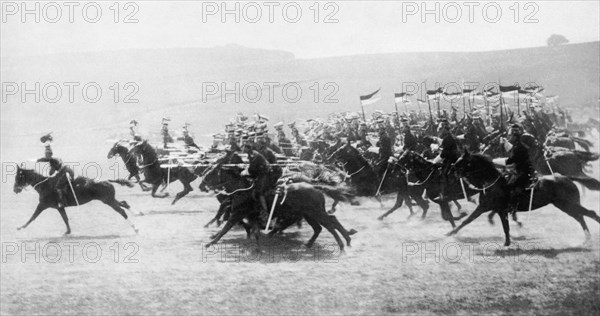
(449, 153)
(47, 142)
(258, 170)
(164, 131)
(520, 158)
(58, 176)
(410, 141)
(133, 131)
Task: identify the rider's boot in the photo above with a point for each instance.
(264, 211)
(61, 198)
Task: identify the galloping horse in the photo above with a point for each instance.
(480, 172)
(429, 176)
(130, 163)
(300, 200)
(86, 190)
(367, 182)
(155, 175)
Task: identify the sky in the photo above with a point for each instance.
(353, 27)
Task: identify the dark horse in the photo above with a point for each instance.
(367, 182)
(155, 175)
(130, 164)
(224, 211)
(558, 190)
(299, 200)
(85, 189)
(430, 177)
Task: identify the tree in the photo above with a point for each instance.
(556, 39)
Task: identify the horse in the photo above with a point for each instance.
(479, 171)
(86, 190)
(429, 176)
(367, 181)
(155, 175)
(300, 200)
(552, 160)
(130, 164)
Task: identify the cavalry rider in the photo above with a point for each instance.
(58, 175)
(519, 156)
(410, 141)
(187, 139)
(133, 131)
(449, 153)
(47, 142)
(300, 140)
(258, 169)
(165, 132)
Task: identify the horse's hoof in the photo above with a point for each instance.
(381, 218)
(330, 212)
(213, 236)
(491, 222)
(20, 227)
(307, 245)
(208, 245)
(450, 233)
(352, 231)
(67, 233)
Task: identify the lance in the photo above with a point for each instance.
(272, 211)
(71, 185)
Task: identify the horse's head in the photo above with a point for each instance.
(477, 167)
(145, 150)
(410, 160)
(463, 163)
(21, 179)
(344, 154)
(113, 151)
(218, 177)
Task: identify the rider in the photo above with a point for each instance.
(47, 141)
(133, 131)
(165, 132)
(519, 156)
(449, 153)
(385, 149)
(59, 173)
(258, 169)
(410, 141)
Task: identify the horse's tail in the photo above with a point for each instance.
(122, 182)
(587, 182)
(586, 144)
(336, 193)
(586, 156)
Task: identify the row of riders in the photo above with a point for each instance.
(412, 155)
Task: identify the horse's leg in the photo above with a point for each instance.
(516, 219)
(418, 197)
(505, 226)
(458, 206)
(476, 213)
(335, 203)
(234, 219)
(378, 198)
(116, 206)
(491, 217)
(141, 183)
(399, 199)
(346, 234)
(36, 213)
(447, 213)
(187, 188)
(154, 188)
(331, 229)
(316, 230)
(63, 214)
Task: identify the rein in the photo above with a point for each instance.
(422, 182)
(35, 185)
(147, 165)
(487, 187)
(224, 192)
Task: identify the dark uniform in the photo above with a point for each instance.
(410, 141)
(165, 134)
(519, 156)
(59, 179)
(259, 169)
